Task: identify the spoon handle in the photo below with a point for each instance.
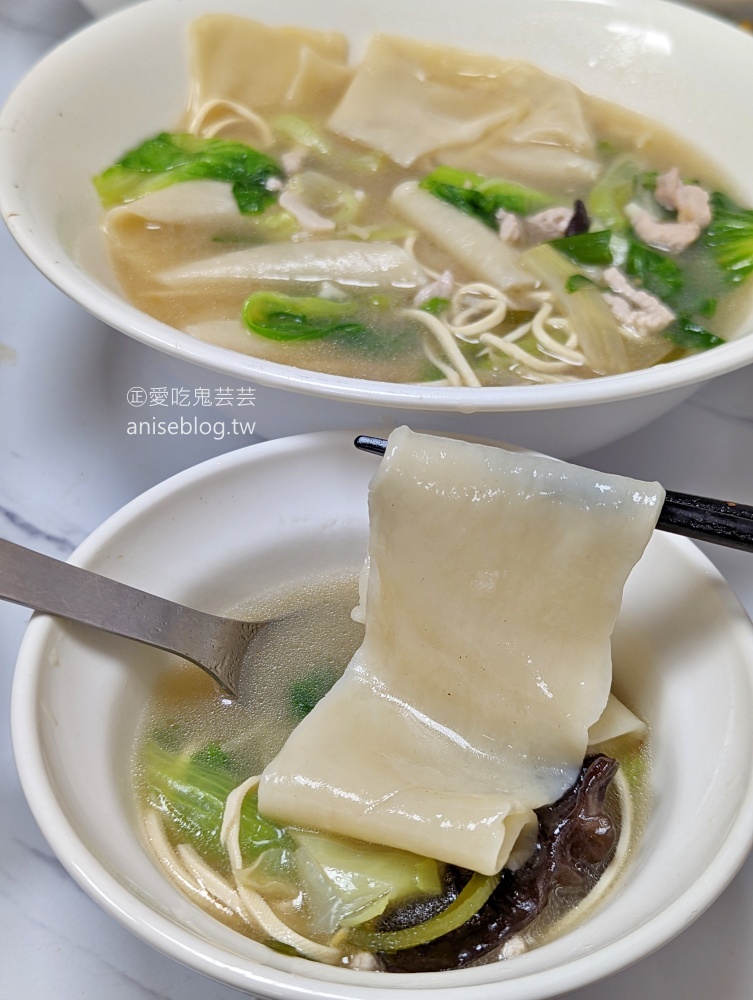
(58, 588)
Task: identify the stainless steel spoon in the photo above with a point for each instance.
(217, 645)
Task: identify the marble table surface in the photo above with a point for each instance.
(66, 463)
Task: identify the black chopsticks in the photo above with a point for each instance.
(722, 522)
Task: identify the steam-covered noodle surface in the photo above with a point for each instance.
(454, 796)
(429, 215)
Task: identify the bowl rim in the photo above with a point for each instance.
(114, 311)
(212, 960)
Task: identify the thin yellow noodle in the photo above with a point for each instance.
(210, 887)
(491, 310)
(252, 906)
(263, 915)
(564, 351)
(459, 305)
(451, 376)
(563, 325)
(518, 333)
(410, 248)
(240, 113)
(447, 342)
(231, 820)
(541, 378)
(165, 854)
(512, 350)
(209, 879)
(475, 288)
(528, 301)
(213, 130)
(464, 324)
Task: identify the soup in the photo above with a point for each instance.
(195, 743)
(427, 216)
(414, 796)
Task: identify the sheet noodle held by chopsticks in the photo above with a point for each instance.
(494, 584)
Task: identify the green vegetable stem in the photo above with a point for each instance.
(469, 901)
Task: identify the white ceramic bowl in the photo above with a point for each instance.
(126, 77)
(224, 531)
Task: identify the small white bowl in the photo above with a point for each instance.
(126, 77)
(226, 530)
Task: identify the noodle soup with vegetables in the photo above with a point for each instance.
(253, 529)
(451, 785)
(430, 215)
(197, 746)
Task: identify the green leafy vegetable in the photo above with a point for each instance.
(436, 305)
(586, 248)
(469, 901)
(171, 158)
(481, 196)
(171, 738)
(578, 281)
(688, 283)
(686, 333)
(729, 237)
(655, 271)
(216, 759)
(366, 325)
(647, 180)
(289, 317)
(302, 132)
(352, 882)
(612, 192)
(305, 693)
(190, 795)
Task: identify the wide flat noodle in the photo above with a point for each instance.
(236, 59)
(411, 98)
(473, 245)
(495, 581)
(549, 168)
(366, 265)
(614, 722)
(182, 204)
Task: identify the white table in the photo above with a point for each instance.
(66, 463)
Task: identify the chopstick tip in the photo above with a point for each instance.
(374, 445)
